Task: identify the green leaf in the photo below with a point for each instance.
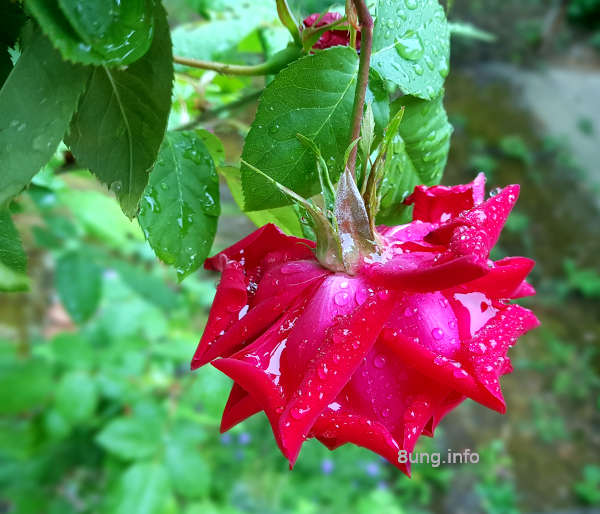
(188, 470)
(122, 118)
(417, 155)
(411, 46)
(284, 217)
(213, 40)
(131, 437)
(181, 204)
(13, 260)
(469, 31)
(79, 284)
(111, 227)
(312, 96)
(37, 102)
(143, 489)
(97, 33)
(120, 32)
(147, 285)
(213, 145)
(76, 396)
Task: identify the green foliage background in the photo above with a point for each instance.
(98, 409)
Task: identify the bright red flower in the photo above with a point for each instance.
(379, 357)
(338, 36)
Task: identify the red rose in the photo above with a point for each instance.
(333, 37)
(377, 358)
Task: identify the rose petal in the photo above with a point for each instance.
(240, 406)
(437, 204)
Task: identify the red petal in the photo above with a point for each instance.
(251, 250)
(342, 351)
(240, 406)
(259, 386)
(384, 407)
(504, 279)
(230, 298)
(485, 355)
(283, 285)
(440, 203)
(475, 232)
(424, 271)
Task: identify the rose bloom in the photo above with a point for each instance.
(377, 358)
(335, 37)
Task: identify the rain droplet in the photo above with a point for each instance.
(341, 298)
(412, 4)
(322, 372)
(361, 295)
(410, 46)
(437, 333)
(379, 361)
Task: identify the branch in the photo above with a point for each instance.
(269, 67)
(221, 67)
(366, 24)
(214, 113)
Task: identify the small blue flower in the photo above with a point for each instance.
(327, 466)
(372, 469)
(244, 438)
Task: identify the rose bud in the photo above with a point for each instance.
(334, 37)
(377, 356)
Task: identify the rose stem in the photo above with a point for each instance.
(366, 35)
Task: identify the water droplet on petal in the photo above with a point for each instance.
(437, 333)
(341, 298)
(379, 361)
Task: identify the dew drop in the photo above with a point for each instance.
(341, 298)
(296, 413)
(379, 361)
(437, 333)
(322, 372)
(361, 295)
(410, 46)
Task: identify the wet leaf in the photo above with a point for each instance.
(35, 112)
(181, 205)
(122, 118)
(97, 33)
(313, 96)
(411, 46)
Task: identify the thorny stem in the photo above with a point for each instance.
(366, 35)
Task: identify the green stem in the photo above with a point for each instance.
(366, 42)
(288, 20)
(270, 67)
(214, 113)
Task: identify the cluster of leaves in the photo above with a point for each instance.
(114, 110)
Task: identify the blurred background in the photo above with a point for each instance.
(99, 411)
